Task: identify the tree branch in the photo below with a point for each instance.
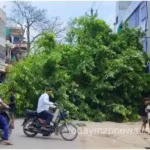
(24, 14)
(35, 37)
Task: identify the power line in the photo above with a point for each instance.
(94, 2)
(99, 5)
(91, 9)
(111, 20)
(96, 14)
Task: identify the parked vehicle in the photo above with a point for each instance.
(33, 123)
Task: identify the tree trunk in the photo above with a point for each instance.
(28, 39)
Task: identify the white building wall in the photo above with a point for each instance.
(2, 42)
(2, 28)
(2, 37)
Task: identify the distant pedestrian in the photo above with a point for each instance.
(12, 105)
(143, 114)
(147, 109)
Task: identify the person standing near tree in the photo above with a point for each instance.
(147, 109)
(143, 115)
(12, 105)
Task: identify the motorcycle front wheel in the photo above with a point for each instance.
(26, 128)
(68, 129)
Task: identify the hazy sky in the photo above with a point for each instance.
(70, 9)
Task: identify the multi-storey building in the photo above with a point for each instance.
(15, 36)
(2, 39)
(2, 44)
(136, 14)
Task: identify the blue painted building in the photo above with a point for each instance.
(137, 14)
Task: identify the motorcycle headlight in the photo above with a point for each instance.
(66, 114)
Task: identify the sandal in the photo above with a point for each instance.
(7, 143)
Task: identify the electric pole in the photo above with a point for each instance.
(92, 13)
(115, 27)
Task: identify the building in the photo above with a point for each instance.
(2, 45)
(136, 14)
(2, 39)
(15, 36)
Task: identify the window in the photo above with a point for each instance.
(16, 40)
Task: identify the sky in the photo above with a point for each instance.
(70, 9)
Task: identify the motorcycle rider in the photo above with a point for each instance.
(4, 124)
(43, 108)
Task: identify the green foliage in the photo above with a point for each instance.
(97, 76)
(47, 41)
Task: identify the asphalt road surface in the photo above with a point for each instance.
(21, 141)
(83, 141)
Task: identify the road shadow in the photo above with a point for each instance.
(42, 138)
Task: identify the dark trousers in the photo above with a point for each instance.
(4, 126)
(47, 116)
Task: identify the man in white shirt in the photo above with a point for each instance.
(43, 107)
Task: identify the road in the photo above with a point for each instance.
(97, 140)
(21, 141)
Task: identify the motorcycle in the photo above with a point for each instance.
(5, 113)
(33, 122)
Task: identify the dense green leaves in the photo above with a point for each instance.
(97, 75)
